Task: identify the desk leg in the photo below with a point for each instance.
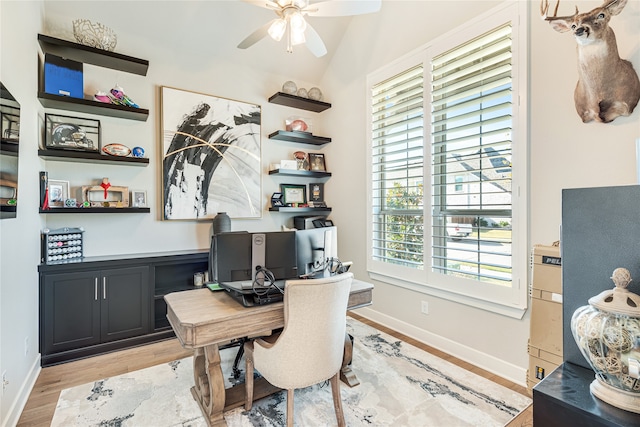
(209, 389)
(346, 373)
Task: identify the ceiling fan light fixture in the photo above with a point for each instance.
(297, 37)
(297, 21)
(277, 29)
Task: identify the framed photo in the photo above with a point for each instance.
(210, 156)
(139, 198)
(316, 192)
(293, 194)
(71, 133)
(58, 193)
(316, 162)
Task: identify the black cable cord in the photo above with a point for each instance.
(264, 282)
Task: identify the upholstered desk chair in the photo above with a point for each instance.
(310, 347)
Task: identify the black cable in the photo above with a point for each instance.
(264, 282)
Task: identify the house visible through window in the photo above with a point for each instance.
(442, 175)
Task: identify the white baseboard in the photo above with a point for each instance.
(509, 371)
(23, 395)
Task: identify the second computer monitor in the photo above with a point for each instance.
(315, 248)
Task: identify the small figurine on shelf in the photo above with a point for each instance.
(105, 184)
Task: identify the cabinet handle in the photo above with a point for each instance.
(104, 288)
(95, 290)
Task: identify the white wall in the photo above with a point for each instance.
(19, 237)
(564, 153)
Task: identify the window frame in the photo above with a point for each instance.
(509, 301)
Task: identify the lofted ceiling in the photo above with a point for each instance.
(211, 29)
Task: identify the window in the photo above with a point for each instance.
(447, 211)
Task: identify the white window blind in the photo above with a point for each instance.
(397, 169)
(471, 146)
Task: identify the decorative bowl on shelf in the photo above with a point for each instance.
(94, 34)
(607, 332)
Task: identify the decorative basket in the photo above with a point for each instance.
(94, 34)
(607, 332)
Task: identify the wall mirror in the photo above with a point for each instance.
(10, 134)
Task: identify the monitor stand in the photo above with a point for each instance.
(258, 255)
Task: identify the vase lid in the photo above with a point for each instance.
(618, 300)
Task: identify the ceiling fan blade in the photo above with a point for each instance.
(314, 42)
(256, 36)
(343, 7)
(267, 4)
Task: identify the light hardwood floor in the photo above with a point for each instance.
(52, 380)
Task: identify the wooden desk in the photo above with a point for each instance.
(202, 320)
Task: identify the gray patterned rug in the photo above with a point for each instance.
(400, 385)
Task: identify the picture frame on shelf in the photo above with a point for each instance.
(139, 198)
(293, 194)
(58, 193)
(317, 162)
(72, 133)
(316, 192)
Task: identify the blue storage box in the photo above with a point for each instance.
(63, 76)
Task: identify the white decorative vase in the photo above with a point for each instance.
(607, 332)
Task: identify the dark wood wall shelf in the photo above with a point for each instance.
(282, 98)
(9, 148)
(86, 157)
(92, 55)
(94, 210)
(299, 137)
(301, 173)
(287, 209)
(81, 105)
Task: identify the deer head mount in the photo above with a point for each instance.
(608, 86)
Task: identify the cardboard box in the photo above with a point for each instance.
(547, 269)
(63, 76)
(534, 351)
(546, 326)
(539, 369)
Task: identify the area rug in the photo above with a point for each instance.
(400, 385)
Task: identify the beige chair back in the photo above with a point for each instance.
(311, 346)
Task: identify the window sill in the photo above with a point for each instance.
(510, 310)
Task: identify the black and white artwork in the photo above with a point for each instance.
(211, 156)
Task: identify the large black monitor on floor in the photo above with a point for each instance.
(315, 249)
(236, 256)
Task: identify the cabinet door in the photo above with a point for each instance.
(71, 311)
(125, 301)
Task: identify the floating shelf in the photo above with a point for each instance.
(81, 105)
(299, 137)
(304, 173)
(92, 55)
(86, 157)
(296, 210)
(94, 210)
(10, 148)
(282, 98)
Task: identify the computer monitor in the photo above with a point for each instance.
(280, 254)
(315, 246)
(235, 256)
(230, 257)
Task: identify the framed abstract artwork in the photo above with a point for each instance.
(210, 156)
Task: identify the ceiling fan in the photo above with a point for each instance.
(291, 20)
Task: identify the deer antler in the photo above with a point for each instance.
(544, 8)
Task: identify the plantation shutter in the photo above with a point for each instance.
(397, 169)
(471, 138)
